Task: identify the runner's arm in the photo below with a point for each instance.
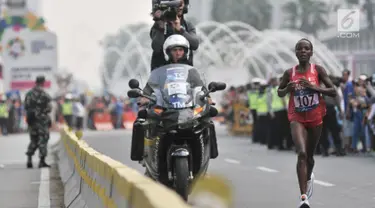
(329, 88)
(283, 90)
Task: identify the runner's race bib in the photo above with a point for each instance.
(305, 100)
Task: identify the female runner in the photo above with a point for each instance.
(305, 112)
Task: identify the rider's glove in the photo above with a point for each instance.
(143, 101)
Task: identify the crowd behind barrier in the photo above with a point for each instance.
(256, 110)
(94, 180)
(95, 113)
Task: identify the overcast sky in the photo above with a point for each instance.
(80, 24)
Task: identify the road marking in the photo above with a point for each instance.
(44, 199)
(228, 160)
(323, 183)
(267, 169)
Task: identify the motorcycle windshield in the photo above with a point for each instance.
(175, 85)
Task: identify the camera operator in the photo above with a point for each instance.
(164, 27)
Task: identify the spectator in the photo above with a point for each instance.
(359, 104)
(67, 110)
(79, 113)
(347, 91)
(119, 112)
(241, 96)
(371, 122)
(4, 115)
(330, 124)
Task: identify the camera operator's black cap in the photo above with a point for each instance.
(40, 79)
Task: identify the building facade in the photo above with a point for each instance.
(355, 53)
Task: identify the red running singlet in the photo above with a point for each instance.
(306, 106)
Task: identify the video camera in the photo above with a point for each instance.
(169, 8)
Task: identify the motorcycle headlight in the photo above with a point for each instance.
(188, 125)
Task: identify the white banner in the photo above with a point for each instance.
(26, 55)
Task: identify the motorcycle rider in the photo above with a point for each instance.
(176, 51)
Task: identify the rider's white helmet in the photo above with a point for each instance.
(176, 41)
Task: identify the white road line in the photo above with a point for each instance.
(267, 169)
(44, 198)
(323, 183)
(228, 160)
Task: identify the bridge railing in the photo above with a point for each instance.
(94, 180)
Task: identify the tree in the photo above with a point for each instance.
(368, 7)
(254, 12)
(309, 16)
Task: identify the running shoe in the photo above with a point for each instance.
(304, 202)
(310, 186)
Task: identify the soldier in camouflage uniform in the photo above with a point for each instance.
(37, 106)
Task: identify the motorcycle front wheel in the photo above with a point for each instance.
(181, 167)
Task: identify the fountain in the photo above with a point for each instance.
(234, 52)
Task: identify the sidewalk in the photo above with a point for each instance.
(22, 187)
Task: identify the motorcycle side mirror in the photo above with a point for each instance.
(134, 84)
(212, 87)
(220, 86)
(216, 86)
(135, 93)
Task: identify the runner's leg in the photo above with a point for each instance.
(299, 135)
(312, 142)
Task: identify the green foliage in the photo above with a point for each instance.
(309, 16)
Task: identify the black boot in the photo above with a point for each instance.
(43, 164)
(29, 163)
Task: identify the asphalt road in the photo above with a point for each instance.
(21, 187)
(267, 179)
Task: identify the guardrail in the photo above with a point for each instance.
(93, 180)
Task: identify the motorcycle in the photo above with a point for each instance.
(175, 124)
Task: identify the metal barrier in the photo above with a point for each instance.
(93, 180)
